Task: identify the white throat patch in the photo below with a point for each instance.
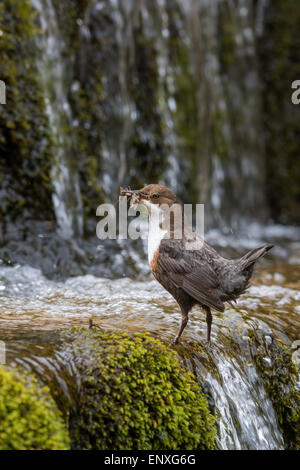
(156, 233)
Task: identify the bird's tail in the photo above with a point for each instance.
(253, 255)
(239, 282)
(248, 261)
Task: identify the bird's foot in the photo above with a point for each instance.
(208, 344)
(93, 325)
(175, 340)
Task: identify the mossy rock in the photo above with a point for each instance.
(28, 415)
(135, 394)
(26, 138)
(280, 380)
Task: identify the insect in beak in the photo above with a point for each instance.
(133, 194)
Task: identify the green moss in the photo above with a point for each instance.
(25, 135)
(28, 415)
(83, 67)
(146, 148)
(134, 394)
(86, 103)
(69, 15)
(226, 32)
(280, 383)
(185, 117)
(219, 141)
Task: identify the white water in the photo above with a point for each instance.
(247, 420)
(66, 192)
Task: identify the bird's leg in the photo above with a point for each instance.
(92, 324)
(184, 320)
(208, 322)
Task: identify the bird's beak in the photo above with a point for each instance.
(129, 192)
(133, 194)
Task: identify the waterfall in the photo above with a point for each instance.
(229, 150)
(247, 417)
(206, 49)
(202, 133)
(260, 14)
(175, 94)
(66, 192)
(166, 100)
(121, 12)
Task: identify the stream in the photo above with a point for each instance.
(35, 308)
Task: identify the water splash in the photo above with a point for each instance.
(247, 417)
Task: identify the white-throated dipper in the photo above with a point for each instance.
(188, 267)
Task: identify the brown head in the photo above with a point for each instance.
(161, 204)
(164, 210)
(152, 194)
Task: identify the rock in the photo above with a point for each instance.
(268, 339)
(296, 358)
(134, 394)
(296, 344)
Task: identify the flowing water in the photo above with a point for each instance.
(34, 309)
(66, 192)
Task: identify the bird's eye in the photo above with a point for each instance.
(155, 196)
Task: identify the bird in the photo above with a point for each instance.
(191, 270)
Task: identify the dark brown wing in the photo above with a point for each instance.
(190, 273)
